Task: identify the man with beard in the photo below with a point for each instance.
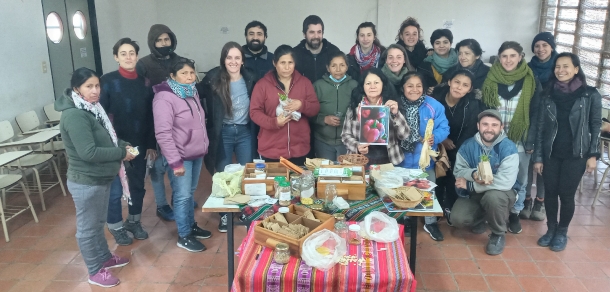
(258, 58)
(311, 54)
(480, 201)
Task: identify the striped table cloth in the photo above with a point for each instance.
(386, 268)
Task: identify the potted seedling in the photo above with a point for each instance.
(484, 169)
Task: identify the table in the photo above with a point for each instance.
(38, 138)
(388, 271)
(216, 205)
(414, 215)
(8, 157)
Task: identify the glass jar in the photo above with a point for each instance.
(354, 234)
(268, 213)
(317, 207)
(281, 254)
(295, 185)
(307, 187)
(331, 194)
(341, 226)
(276, 185)
(260, 167)
(284, 194)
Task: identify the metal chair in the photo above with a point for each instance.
(8, 212)
(604, 146)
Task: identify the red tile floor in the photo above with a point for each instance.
(44, 256)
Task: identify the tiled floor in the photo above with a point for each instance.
(45, 257)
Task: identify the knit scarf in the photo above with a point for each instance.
(443, 64)
(569, 87)
(366, 61)
(182, 90)
(543, 70)
(100, 115)
(392, 77)
(411, 113)
(497, 75)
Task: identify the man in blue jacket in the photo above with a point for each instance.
(491, 201)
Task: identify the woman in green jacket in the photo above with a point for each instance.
(96, 156)
(333, 91)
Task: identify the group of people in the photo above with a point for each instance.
(304, 101)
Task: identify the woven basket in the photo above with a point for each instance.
(406, 204)
(353, 159)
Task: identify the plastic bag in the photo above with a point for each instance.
(227, 184)
(323, 249)
(231, 168)
(380, 227)
(388, 181)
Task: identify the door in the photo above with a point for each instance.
(70, 39)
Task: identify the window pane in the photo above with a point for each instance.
(567, 39)
(595, 15)
(569, 14)
(549, 25)
(590, 57)
(596, 3)
(569, 2)
(552, 2)
(604, 89)
(590, 71)
(606, 76)
(593, 29)
(55, 28)
(606, 62)
(561, 49)
(567, 26)
(80, 25)
(591, 43)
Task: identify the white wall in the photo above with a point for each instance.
(23, 49)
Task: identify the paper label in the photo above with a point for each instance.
(255, 189)
(261, 175)
(271, 201)
(331, 172)
(307, 193)
(325, 162)
(285, 196)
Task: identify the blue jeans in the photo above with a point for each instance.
(524, 163)
(157, 176)
(183, 188)
(235, 139)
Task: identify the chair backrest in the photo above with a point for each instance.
(51, 113)
(6, 131)
(27, 121)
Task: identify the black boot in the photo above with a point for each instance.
(560, 240)
(545, 240)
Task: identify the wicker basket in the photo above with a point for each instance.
(406, 204)
(353, 159)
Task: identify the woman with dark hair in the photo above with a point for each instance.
(418, 108)
(396, 66)
(410, 37)
(334, 92)
(96, 156)
(462, 107)
(367, 51)
(374, 89)
(469, 57)
(567, 143)
(512, 89)
(226, 92)
(284, 134)
(441, 60)
(182, 137)
(127, 99)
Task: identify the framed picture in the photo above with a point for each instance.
(374, 125)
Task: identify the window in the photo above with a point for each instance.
(581, 27)
(80, 25)
(55, 27)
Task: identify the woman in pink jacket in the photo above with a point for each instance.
(182, 137)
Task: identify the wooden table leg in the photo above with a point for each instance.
(230, 249)
(413, 254)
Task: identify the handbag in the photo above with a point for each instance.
(441, 162)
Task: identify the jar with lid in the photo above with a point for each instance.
(281, 254)
(295, 185)
(331, 194)
(307, 187)
(284, 193)
(260, 168)
(341, 226)
(276, 185)
(354, 234)
(283, 210)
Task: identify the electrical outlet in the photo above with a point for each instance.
(44, 67)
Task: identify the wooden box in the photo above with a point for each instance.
(346, 187)
(273, 169)
(269, 238)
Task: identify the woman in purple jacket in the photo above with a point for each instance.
(182, 137)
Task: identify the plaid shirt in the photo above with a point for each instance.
(507, 111)
(399, 130)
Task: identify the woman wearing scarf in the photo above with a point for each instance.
(96, 156)
(443, 58)
(396, 66)
(374, 89)
(566, 143)
(182, 137)
(127, 99)
(418, 108)
(409, 37)
(469, 57)
(367, 51)
(541, 64)
(513, 90)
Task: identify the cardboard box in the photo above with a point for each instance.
(273, 169)
(269, 238)
(349, 188)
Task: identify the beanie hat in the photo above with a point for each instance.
(439, 33)
(544, 36)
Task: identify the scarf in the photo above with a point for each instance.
(509, 94)
(393, 78)
(128, 74)
(365, 101)
(366, 61)
(411, 113)
(100, 115)
(182, 90)
(543, 70)
(443, 64)
(569, 87)
(497, 75)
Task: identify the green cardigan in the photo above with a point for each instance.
(94, 160)
(333, 98)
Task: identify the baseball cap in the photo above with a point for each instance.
(490, 113)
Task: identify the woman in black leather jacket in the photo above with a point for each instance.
(566, 143)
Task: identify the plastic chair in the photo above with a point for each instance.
(8, 181)
(29, 124)
(604, 143)
(51, 113)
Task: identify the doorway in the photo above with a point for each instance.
(72, 39)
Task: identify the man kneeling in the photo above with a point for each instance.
(490, 201)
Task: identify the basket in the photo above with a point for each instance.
(406, 204)
(353, 159)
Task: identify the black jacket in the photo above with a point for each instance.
(354, 69)
(313, 67)
(585, 124)
(155, 67)
(259, 63)
(417, 56)
(479, 70)
(215, 114)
